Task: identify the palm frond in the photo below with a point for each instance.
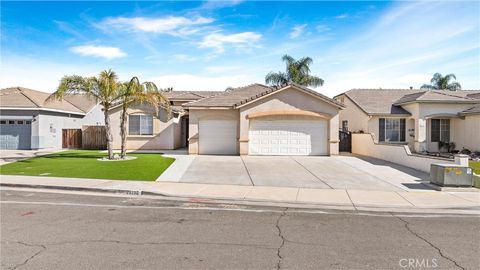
(428, 86)
(454, 86)
(276, 78)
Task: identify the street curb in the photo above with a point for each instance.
(204, 199)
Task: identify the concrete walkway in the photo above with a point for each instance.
(8, 156)
(349, 199)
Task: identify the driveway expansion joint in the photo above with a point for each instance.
(407, 226)
(314, 175)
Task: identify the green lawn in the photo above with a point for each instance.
(475, 165)
(84, 164)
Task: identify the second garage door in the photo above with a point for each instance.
(218, 137)
(288, 137)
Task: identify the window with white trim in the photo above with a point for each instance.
(391, 129)
(440, 130)
(140, 124)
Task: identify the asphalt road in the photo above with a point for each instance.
(71, 231)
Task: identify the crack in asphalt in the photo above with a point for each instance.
(407, 226)
(43, 248)
(282, 237)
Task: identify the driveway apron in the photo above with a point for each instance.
(226, 170)
(280, 171)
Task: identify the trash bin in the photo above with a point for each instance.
(451, 175)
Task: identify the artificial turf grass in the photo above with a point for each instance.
(84, 164)
(475, 165)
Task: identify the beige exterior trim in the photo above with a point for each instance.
(207, 108)
(289, 112)
(285, 88)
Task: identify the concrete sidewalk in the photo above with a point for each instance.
(455, 202)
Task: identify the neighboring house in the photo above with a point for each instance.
(422, 119)
(29, 121)
(150, 129)
(262, 120)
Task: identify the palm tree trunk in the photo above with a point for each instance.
(123, 132)
(108, 132)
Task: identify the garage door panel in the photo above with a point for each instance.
(15, 136)
(218, 137)
(288, 137)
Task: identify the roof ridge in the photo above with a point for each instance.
(21, 89)
(443, 92)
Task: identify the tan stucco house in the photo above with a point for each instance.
(251, 120)
(423, 119)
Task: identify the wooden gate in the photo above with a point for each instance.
(345, 141)
(94, 137)
(72, 138)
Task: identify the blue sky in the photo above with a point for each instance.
(214, 45)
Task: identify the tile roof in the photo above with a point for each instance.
(379, 101)
(190, 95)
(242, 95)
(387, 101)
(433, 95)
(19, 97)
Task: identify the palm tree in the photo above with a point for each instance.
(439, 82)
(136, 92)
(104, 89)
(297, 71)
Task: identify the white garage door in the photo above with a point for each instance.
(288, 137)
(217, 137)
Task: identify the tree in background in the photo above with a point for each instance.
(297, 71)
(439, 82)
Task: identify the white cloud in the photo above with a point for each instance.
(297, 30)
(99, 51)
(216, 4)
(322, 28)
(184, 58)
(242, 40)
(172, 25)
(342, 16)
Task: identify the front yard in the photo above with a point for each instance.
(84, 164)
(475, 165)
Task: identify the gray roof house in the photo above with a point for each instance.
(30, 120)
(251, 120)
(423, 119)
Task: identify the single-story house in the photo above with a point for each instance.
(29, 120)
(263, 120)
(423, 119)
(150, 129)
(251, 120)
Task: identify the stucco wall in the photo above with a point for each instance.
(163, 130)
(196, 115)
(357, 119)
(290, 99)
(47, 126)
(363, 144)
(466, 132)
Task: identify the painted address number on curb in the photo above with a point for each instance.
(134, 192)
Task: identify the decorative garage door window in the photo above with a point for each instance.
(139, 124)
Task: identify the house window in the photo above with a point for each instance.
(140, 124)
(440, 130)
(345, 125)
(392, 129)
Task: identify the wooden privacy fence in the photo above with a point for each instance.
(94, 137)
(72, 138)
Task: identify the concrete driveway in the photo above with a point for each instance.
(336, 172)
